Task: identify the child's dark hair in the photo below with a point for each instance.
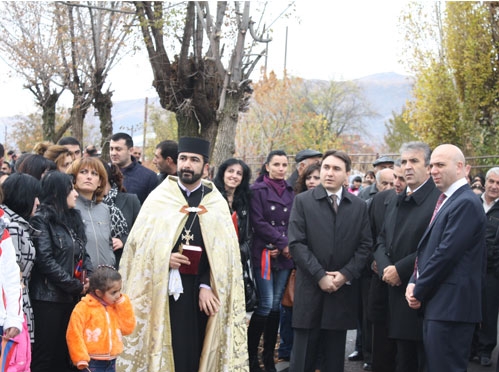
(103, 277)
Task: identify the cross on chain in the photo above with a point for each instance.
(187, 236)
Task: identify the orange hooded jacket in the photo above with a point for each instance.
(95, 331)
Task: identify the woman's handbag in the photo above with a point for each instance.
(249, 281)
(289, 292)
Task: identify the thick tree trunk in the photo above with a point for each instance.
(48, 116)
(103, 104)
(225, 145)
(78, 113)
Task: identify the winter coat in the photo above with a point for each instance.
(320, 241)
(95, 330)
(97, 220)
(57, 254)
(11, 313)
(269, 217)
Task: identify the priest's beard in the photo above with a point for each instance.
(189, 177)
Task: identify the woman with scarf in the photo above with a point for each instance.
(124, 207)
(270, 208)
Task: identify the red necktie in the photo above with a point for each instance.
(440, 200)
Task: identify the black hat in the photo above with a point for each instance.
(195, 145)
(383, 159)
(305, 154)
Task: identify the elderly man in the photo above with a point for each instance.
(450, 265)
(303, 159)
(182, 271)
(487, 333)
(329, 239)
(406, 219)
(379, 164)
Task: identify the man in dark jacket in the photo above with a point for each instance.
(165, 159)
(303, 159)
(487, 333)
(329, 240)
(138, 179)
(406, 219)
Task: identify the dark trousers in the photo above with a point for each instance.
(447, 345)
(410, 356)
(102, 365)
(285, 332)
(366, 333)
(50, 350)
(384, 349)
(306, 345)
(487, 333)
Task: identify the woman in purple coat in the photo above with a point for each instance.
(269, 215)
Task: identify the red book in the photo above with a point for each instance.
(193, 253)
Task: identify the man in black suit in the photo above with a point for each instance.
(330, 240)
(450, 266)
(383, 348)
(406, 219)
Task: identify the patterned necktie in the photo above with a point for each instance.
(334, 201)
(440, 200)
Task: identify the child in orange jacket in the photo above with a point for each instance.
(98, 321)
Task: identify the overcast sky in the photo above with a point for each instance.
(331, 40)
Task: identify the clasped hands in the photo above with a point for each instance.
(391, 276)
(332, 281)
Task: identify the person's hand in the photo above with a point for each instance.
(326, 283)
(391, 276)
(208, 302)
(86, 284)
(338, 279)
(274, 252)
(11, 333)
(412, 301)
(374, 267)
(177, 259)
(285, 252)
(117, 244)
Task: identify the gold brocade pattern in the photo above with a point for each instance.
(144, 267)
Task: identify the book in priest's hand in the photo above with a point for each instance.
(193, 253)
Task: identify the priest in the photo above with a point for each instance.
(182, 271)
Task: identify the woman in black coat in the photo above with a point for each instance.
(232, 180)
(58, 274)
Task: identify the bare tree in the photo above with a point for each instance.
(205, 94)
(29, 44)
(88, 57)
(342, 104)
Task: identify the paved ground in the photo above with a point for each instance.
(357, 366)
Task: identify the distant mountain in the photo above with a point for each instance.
(386, 92)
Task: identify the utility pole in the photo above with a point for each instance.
(145, 131)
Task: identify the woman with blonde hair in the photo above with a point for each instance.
(59, 154)
(89, 177)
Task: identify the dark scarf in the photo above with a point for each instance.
(279, 186)
(119, 226)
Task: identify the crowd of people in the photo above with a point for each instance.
(111, 266)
